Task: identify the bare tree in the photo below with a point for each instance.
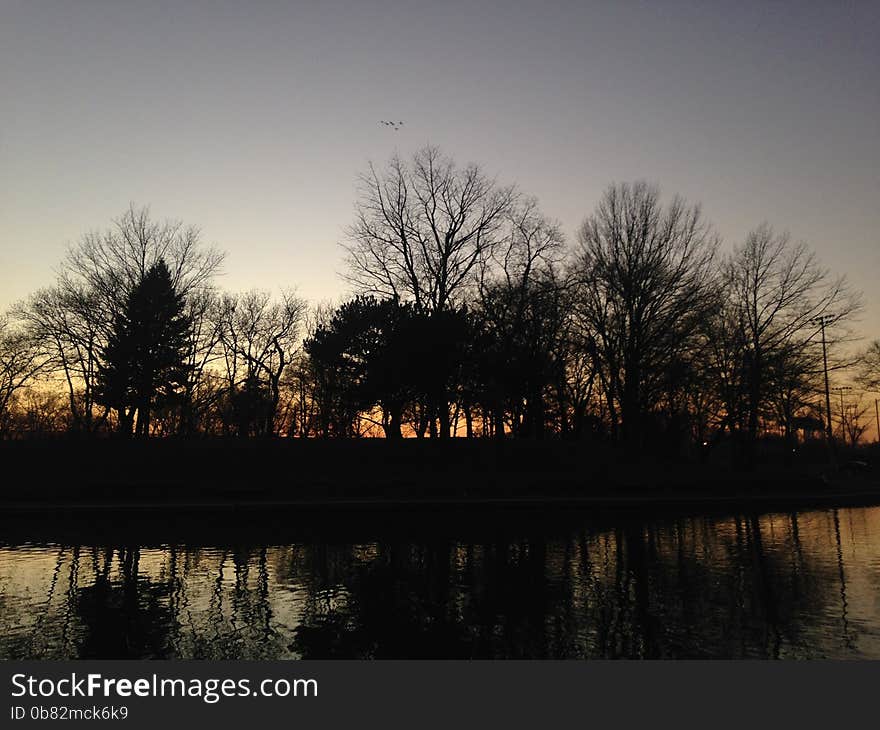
(854, 421)
(39, 411)
(576, 381)
(869, 368)
(792, 385)
(644, 274)
(723, 366)
(259, 338)
(523, 318)
(205, 333)
(423, 228)
(21, 359)
(112, 262)
(66, 319)
(777, 290)
(533, 244)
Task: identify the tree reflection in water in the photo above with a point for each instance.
(769, 586)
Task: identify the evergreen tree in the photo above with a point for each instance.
(144, 362)
(386, 353)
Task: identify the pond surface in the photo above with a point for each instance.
(780, 585)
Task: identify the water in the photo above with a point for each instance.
(792, 585)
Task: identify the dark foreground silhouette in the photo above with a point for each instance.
(207, 474)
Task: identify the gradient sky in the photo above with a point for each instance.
(252, 119)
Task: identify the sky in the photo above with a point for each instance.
(252, 120)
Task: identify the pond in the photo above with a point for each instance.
(445, 585)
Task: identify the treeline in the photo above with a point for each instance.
(470, 316)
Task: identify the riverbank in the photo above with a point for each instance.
(217, 475)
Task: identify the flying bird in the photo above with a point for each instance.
(394, 125)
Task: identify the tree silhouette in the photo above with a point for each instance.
(869, 368)
(386, 354)
(423, 228)
(468, 306)
(645, 275)
(69, 319)
(20, 360)
(76, 316)
(364, 353)
(258, 337)
(145, 357)
(776, 290)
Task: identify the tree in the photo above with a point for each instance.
(76, 317)
(309, 404)
(365, 355)
(259, 338)
(67, 319)
(38, 411)
(523, 318)
(382, 354)
(20, 360)
(382, 334)
(525, 328)
(853, 421)
(423, 229)
(777, 290)
(869, 368)
(644, 274)
(792, 382)
(205, 333)
(144, 363)
(111, 263)
(336, 371)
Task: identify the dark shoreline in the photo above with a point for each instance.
(355, 521)
(219, 475)
(812, 494)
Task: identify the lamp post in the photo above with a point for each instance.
(822, 321)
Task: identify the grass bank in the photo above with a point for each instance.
(219, 474)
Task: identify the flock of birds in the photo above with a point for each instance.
(394, 125)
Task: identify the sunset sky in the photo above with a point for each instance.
(252, 119)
